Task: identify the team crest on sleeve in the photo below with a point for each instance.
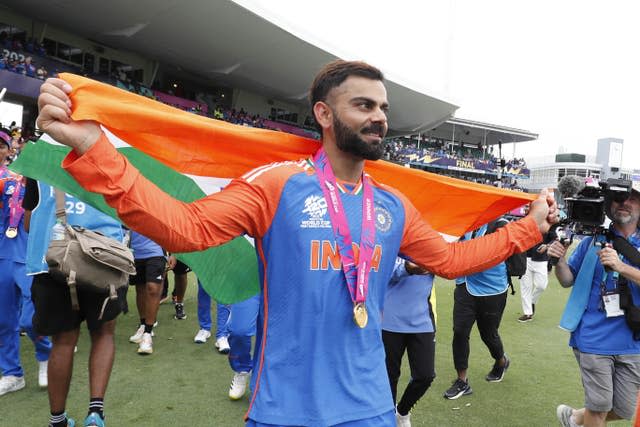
(316, 209)
(383, 219)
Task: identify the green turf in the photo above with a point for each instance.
(183, 383)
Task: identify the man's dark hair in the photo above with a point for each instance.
(334, 74)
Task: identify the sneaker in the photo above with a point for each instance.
(457, 389)
(525, 318)
(11, 383)
(202, 336)
(94, 420)
(146, 344)
(137, 337)
(71, 422)
(180, 314)
(222, 344)
(239, 385)
(43, 379)
(497, 372)
(564, 413)
(403, 420)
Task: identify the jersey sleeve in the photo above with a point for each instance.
(244, 206)
(427, 248)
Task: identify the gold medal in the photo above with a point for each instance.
(11, 232)
(360, 315)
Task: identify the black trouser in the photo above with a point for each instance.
(487, 311)
(421, 350)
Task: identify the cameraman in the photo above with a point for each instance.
(604, 346)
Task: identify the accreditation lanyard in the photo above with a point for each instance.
(16, 211)
(357, 277)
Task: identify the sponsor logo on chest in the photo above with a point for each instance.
(315, 209)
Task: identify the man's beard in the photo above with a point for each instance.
(350, 142)
(624, 218)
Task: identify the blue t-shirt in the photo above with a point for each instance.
(15, 248)
(596, 333)
(407, 308)
(44, 217)
(143, 247)
(492, 281)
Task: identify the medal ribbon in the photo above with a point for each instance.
(16, 211)
(357, 277)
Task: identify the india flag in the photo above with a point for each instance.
(191, 156)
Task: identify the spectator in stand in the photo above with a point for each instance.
(41, 73)
(20, 67)
(29, 68)
(16, 44)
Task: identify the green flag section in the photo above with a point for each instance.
(229, 273)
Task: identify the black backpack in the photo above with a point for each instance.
(516, 263)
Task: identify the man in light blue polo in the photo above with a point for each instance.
(604, 345)
(479, 298)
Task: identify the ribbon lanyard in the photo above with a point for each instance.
(16, 211)
(15, 205)
(357, 277)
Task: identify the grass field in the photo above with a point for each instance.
(183, 383)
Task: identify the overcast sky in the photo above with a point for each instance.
(567, 70)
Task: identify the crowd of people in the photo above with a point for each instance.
(22, 62)
(400, 151)
(373, 306)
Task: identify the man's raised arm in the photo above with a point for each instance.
(177, 226)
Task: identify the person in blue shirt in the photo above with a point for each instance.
(242, 326)
(54, 314)
(150, 261)
(604, 345)
(16, 308)
(223, 311)
(408, 324)
(479, 298)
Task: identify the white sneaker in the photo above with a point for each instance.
(239, 385)
(564, 414)
(202, 336)
(222, 344)
(146, 344)
(10, 384)
(137, 337)
(43, 379)
(403, 420)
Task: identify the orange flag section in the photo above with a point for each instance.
(197, 145)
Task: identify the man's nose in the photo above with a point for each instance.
(379, 115)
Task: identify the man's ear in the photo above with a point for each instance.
(323, 114)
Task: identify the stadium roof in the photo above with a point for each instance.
(472, 132)
(224, 43)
